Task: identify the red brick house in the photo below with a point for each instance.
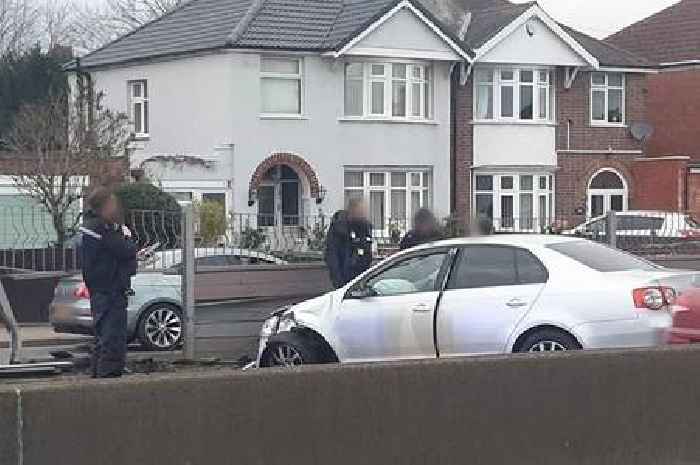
(671, 40)
(542, 122)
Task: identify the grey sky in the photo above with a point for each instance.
(601, 18)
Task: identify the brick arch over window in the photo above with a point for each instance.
(295, 162)
(620, 167)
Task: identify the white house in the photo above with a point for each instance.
(287, 108)
(284, 109)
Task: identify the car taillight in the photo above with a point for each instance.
(654, 298)
(82, 292)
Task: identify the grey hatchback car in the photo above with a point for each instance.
(154, 314)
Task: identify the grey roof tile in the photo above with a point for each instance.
(315, 25)
(606, 53)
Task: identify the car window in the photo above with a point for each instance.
(232, 260)
(639, 223)
(412, 275)
(214, 260)
(484, 266)
(690, 221)
(530, 269)
(601, 257)
(597, 227)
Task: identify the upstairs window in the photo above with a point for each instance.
(281, 86)
(516, 94)
(607, 98)
(138, 107)
(401, 91)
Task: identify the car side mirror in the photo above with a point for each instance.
(361, 292)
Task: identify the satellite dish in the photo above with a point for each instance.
(641, 131)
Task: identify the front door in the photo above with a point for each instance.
(279, 198)
(602, 203)
(490, 290)
(396, 321)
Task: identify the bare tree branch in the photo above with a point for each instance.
(63, 143)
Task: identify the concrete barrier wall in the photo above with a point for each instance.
(261, 281)
(631, 408)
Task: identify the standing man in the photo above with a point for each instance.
(349, 244)
(109, 261)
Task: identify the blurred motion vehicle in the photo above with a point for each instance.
(155, 310)
(686, 312)
(486, 295)
(650, 231)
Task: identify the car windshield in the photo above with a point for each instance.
(600, 257)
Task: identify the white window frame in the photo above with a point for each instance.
(284, 76)
(607, 194)
(424, 81)
(425, 190)
(144, 131)
(539, 220)
(606, 88)
(497, 83)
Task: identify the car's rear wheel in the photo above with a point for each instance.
(290, 350)
(548, 340)
(161, 328)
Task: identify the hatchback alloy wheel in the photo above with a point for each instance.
(163, 328)
(547, 346)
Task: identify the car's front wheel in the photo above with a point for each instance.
(161, 328)
(290, 350)
(548, 340)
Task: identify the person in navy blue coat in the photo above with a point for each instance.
(109, 262)
(349, 244)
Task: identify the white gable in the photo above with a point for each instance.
(544, 47)
(404, 35)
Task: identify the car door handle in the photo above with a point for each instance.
(422, 308)
(516, 303)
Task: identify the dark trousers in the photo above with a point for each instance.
(109, 316)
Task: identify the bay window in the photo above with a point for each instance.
(515, 202)
(607, 98)
(281, 86)
(393, 196)
(518, 94)
(401, 91)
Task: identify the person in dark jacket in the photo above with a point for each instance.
(349, 244)
(109, 262)
(425, 229)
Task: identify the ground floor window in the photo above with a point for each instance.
(514, 201)
(393, 196)
(607, 191)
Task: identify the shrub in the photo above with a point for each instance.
(212, 222)
(151, 214)
(252, 238)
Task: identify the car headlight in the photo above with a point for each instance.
(269, 328)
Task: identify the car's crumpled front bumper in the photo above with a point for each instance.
(281, 320)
